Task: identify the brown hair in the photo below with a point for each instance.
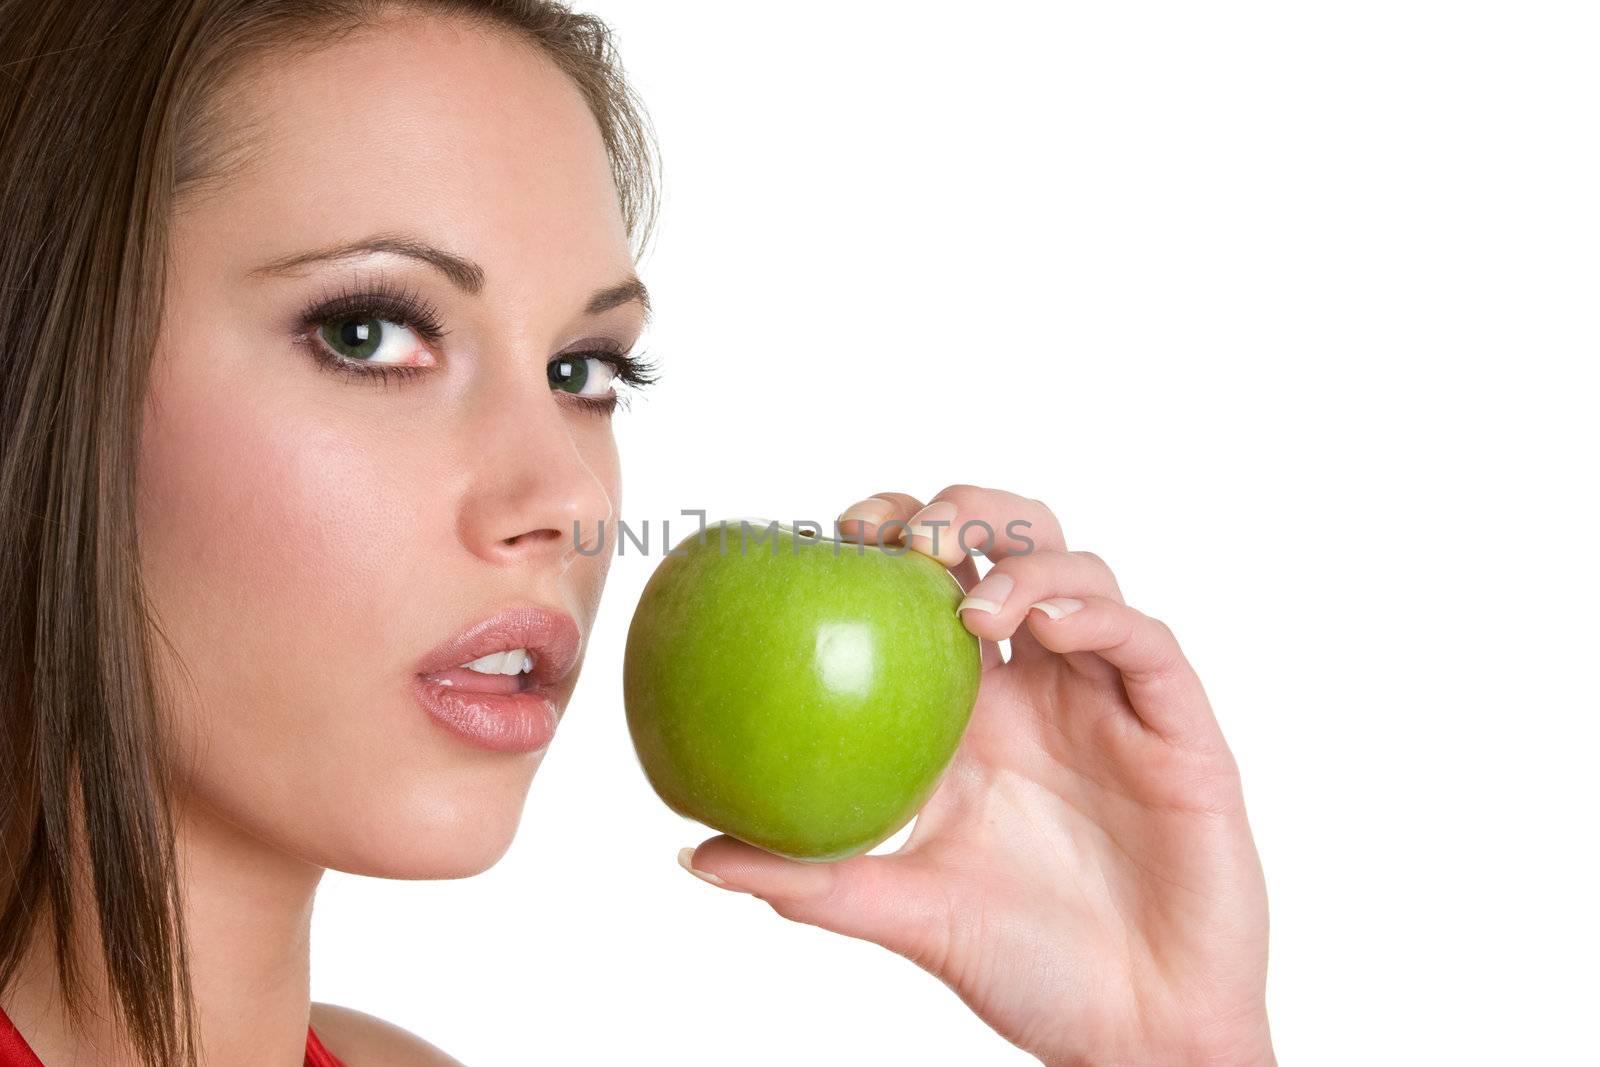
(111, 113)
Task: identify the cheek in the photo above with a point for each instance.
(249, 516)
(275, 550)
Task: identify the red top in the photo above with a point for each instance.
(14, 1051)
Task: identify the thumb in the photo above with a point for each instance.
(891, 900)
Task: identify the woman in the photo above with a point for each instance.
(315, 317)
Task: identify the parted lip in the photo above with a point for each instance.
(550, 635)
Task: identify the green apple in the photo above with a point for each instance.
(799, 693)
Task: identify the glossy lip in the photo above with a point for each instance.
(522, 721)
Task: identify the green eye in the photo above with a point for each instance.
(359, 337)
(581, 374)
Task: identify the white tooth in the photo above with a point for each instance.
(516, 661)
(489, 664)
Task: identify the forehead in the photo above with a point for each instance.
(461, 132)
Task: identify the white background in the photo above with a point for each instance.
(1289, 311)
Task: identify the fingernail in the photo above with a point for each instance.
(686, 856)
(1057, 608)
(874, 510)
(940, 511)
(988, 595)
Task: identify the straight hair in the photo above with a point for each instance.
(111, 114)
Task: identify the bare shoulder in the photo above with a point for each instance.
(360, 1039)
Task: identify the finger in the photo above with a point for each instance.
(887, 512)
(966, 520)
(995, 607)
(890, 900)
(862, 520)
(1162, 686)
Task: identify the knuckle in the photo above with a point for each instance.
(1045, 509)
(1164, 650)
(957, 493)
(1161, 628)
(1098, 564)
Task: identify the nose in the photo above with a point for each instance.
(534, 493)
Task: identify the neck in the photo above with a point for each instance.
(247, 916)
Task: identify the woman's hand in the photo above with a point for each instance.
(1084, 876)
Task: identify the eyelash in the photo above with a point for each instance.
(408, 308)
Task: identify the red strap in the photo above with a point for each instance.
(14, 1051)
(316, 1054)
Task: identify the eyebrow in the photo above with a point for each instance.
(462, 272)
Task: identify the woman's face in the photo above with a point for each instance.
(307, 537)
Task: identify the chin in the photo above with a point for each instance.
(429, 834)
